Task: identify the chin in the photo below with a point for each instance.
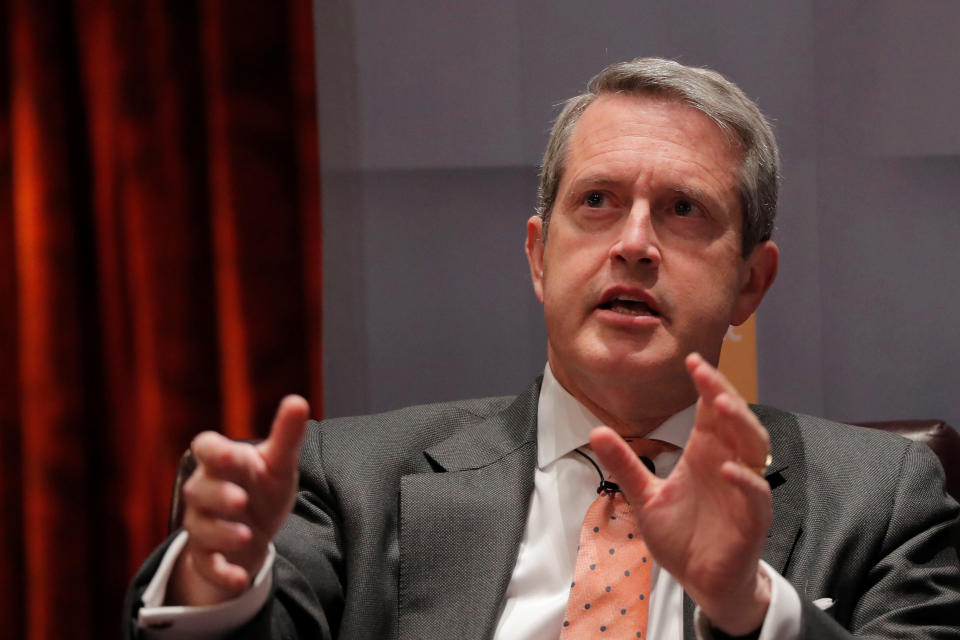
(630, 366)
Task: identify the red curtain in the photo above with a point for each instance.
(159, 273)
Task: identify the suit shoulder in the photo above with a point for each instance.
(392, 433)
(829, 436)
(848, 464)
(381, 447)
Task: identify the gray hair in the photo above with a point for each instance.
(704, 90)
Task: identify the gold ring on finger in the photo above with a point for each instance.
(761, 470)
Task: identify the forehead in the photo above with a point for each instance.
(621, 132)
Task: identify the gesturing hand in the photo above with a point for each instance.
(706, 523)
(235, 502)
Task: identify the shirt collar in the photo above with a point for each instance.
(564, 424)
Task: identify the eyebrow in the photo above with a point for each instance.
(694, 193)
(600, 180)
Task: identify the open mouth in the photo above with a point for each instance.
(629, 306)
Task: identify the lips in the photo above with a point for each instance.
(629, 302)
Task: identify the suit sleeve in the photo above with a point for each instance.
(912, 588)
(306, 598)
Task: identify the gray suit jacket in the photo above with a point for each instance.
(408, 524)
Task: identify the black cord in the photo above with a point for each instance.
(606, 487)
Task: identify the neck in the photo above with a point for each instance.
(633, 407)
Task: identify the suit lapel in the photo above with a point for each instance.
(461, 526)
(688, 606)
(787, 486)
(787, 491)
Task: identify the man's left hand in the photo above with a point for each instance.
(707, 522)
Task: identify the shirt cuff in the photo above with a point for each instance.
(211, 621)
(782, 621)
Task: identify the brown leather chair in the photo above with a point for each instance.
(937, 434)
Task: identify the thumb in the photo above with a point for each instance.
(281, 449)
(630, 474)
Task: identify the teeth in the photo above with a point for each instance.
(630, 307)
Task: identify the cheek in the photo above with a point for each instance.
(562, 278)
(565, 295)
(557, 298)
(706, 293)
(575, 256)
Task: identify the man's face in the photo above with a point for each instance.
(643, 263)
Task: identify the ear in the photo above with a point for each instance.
(534, 249)
(759, 272)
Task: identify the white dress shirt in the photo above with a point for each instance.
(536, 598)
(564, 487)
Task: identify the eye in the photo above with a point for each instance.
(684, 208)
(594, 199)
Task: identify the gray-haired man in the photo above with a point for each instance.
(656, 206)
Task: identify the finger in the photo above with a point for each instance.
(220, 498)
(707, 379)
(215, 569)
(739, 426)
(226, 459)
(636, 481)
(727, 414)
(756, 492)
(281, 450)
(210, 533)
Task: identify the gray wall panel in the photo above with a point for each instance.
(427, 294)
(448, 295)
(439, 84)
(891, 270)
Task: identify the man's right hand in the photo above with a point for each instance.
(235, 502)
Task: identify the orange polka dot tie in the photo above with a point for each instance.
(610, 592)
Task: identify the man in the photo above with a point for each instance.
(473, 519)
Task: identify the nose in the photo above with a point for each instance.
(637, 239)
